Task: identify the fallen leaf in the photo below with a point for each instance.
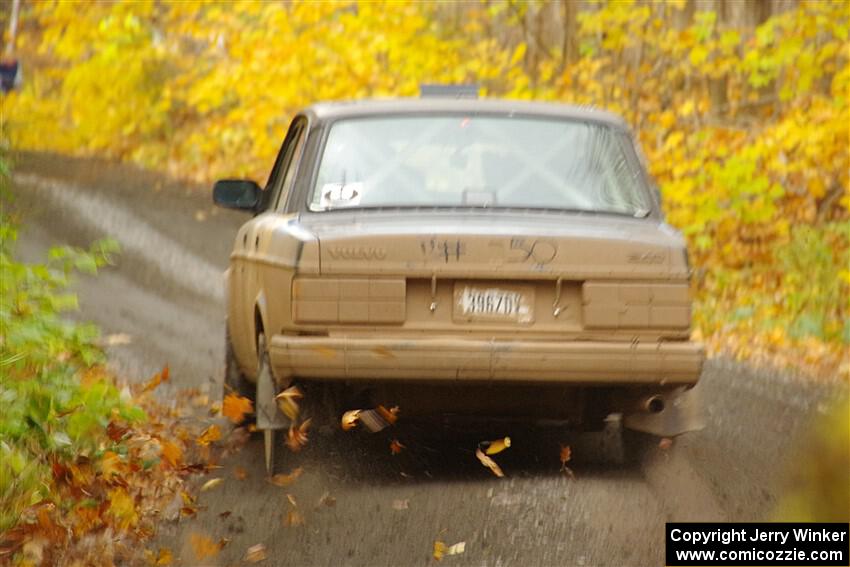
(286, 479)
(287, 401)
(164, 556)
(256, 553)
(296, 437)
(665, 443)
(439, 550)
(489, 463)
(401, 504)
(225, 515)
(209, 435)
(200, 216)
(157, 379)
(327, 500)
(122, 508)
(456, 549)
(211, 483)
(396, 447)
(293, 518)
(497, 446)
(350, 419)
(203, 546)
(111, 465)
(240, 473)
(235, 407)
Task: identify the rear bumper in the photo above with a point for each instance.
(475, 360)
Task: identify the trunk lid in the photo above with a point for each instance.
(496, 244)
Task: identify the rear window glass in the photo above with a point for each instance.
(478, 161)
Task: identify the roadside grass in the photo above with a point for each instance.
(86, 466)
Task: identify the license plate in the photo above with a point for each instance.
(478, 303)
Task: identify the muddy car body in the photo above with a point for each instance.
(462, 256)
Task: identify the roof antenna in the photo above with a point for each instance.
(448, 91)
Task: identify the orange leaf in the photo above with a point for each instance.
(157, 379)
(203, 546)
(171, 452)
(489, 463)
(566, 455)
(286, 479)
(235, 407)
(240, 473)
(389, 415)
(396, 447)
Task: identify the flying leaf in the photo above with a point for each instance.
(240, 473)
(286, 479)
(497, 446)
(489, 463)
(203, 546)
(389, 415)
(296, 437)
(256, 553)
(171, 452)
(456, 549)
(287, 401)
(235, 407)
(396, 447)
(350, 419)
(293, 518)
(157, 379)
(566, 455)
(211, 483)
(209, 435)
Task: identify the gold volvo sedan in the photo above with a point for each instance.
(493, 257)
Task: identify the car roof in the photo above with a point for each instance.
(330, 111)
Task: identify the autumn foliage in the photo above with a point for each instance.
(743, 121)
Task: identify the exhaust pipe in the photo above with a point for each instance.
(653, 404)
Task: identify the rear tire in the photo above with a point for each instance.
(234, 381)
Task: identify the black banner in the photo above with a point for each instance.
(762, 544)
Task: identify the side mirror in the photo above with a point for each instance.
(242, 194)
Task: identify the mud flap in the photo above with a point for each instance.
(682, 413)
(269, 415)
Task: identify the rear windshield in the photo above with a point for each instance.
(479, 161)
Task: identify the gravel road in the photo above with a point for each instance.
(362, 505)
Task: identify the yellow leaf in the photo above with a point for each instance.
(296, 437)
(498, 446)
(209, 435)
(203, 546)
(211, 483)
(122, 508)
(349, 419)
(287, 401)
